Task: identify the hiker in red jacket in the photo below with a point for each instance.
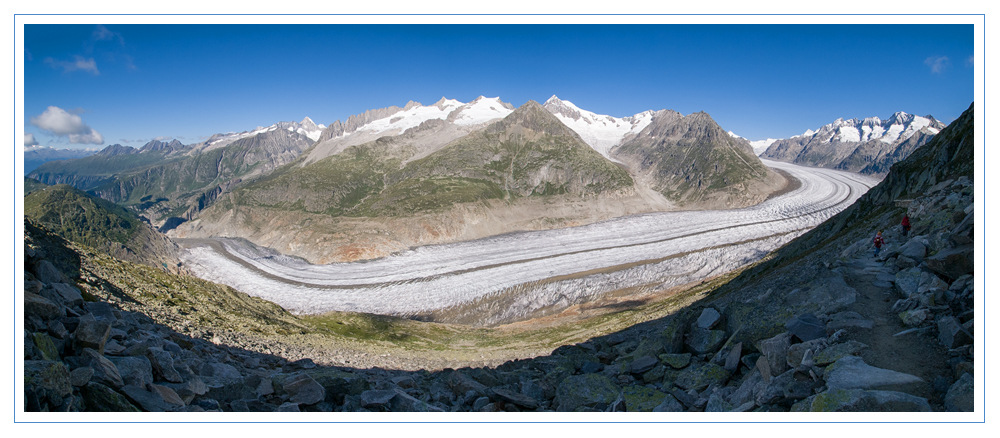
(906, 225)
(878, 242)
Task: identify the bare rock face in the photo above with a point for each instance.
(693, 161)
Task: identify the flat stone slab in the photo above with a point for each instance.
(851, 372)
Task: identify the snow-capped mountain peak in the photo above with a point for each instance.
(306, 127)
(601, 132)
(900, 126)
(481, 110)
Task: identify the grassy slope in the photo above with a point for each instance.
(80, 217)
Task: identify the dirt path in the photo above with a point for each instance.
(918, 353)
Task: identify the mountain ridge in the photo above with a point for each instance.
(868, 146)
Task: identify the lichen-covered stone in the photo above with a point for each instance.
(585, 390)
(698, 377)
(641, 398)
(677, 361)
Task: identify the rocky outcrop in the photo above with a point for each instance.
(691, 160)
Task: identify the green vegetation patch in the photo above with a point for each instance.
(80, 217)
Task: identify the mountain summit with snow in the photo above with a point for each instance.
(306, 127)
(434, 125)
(601, 132)
(868, 146)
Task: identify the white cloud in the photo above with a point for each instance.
(937, 63)
(102, 33)
(63, 124)
(970, 61)
(78, 63)
(29, 140)
(92, 137)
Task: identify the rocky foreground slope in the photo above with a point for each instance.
(821, 325)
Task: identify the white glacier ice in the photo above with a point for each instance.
(545, 268)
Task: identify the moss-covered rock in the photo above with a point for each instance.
(45, 345)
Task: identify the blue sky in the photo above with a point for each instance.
(129, 84)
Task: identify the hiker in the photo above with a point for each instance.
(878, 242)
(906, 225)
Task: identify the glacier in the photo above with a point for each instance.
(529, 271)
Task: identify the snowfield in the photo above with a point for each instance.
(508, 277)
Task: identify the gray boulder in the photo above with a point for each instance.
(643, 364)
(708, 318)
(148, 400)
(908, 281)
(951, 333)
(702, 341)
(134, 370)
(914, 249)
(302, 389)
(377, 399)
(100, 398)
(69, 294)
(859, 400)
(37, 305)
(105, 371)
(806, 327)
(92, 333)
(952, 263)
(960, 396)
(163, 365)
(775, 352)
(516, 398)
